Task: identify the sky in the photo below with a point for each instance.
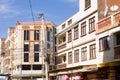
(56, 11)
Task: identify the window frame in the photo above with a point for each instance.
(104, 43)
(36, 47)
(26, 67)
(48, 39)
(76, 32)
(26, 34)
(36, 34)
(70, 22)
(69, 35)
(63, 26)
(26, 47)
(92, 48)
(83, 29)
(36, 67)
(117, 40)
(76, 56)
(92, 24)
(26, 57)
(70, 57)
(87, 4)
(36, 56)
(84, 54)
(26, 52)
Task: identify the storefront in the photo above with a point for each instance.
(74, 73)
(110, 70)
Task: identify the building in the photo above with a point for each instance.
(26, 51)
(9, 52)
(77, 51)
(108, 34)
(2, 52)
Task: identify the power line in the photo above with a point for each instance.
(31, 11)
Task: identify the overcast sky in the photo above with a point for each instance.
(56, 11)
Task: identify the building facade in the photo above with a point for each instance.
(2, 54)
(87, 46)
(108, 34)
(26, 52)
(77, 52)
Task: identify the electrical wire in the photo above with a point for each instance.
(31, 12)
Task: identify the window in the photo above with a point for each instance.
(76, 56)
(37, 67)
(48, 40)
(83, 29)
(26, 34)
(69, 57)
(92, 51)
(92, 24)
(87, 4)
(104, 43)
(36, 34)
(36, 47)
(26, 67)
(69, 35)
(117, 37)
(26, 47)
(64, 58)
(26, 57)
(70, 22)
(83, 53)
(36, 52)
(63, 26)
(76, 32)
(36, 57)
(26, 52)
(117, 45)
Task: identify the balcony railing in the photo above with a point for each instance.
(61, 46)
(117, 52)
(61, 65)
(108, 23)
(27, 72)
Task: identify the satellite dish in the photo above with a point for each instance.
(114, 8)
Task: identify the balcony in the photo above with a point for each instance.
(61, 46)
(117, 52)
(108, 23)
(23, 73)
(61, 65)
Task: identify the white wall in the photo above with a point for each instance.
(107, 56)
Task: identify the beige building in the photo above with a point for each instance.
(28, 46)
(9, 52)
(2, 53)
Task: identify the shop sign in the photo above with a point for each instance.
(90, 67)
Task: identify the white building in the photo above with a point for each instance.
(77, 47)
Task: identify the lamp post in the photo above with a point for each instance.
(43, 48)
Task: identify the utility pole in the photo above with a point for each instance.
(43, 47)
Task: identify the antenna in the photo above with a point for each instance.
(106, 9)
